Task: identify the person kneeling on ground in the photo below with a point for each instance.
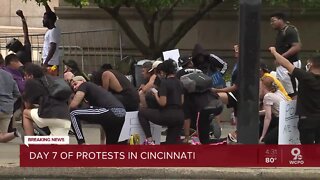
(40, 108)
(118, 84)
(105, 109)
(170, 98)
(271, 104)
(8, 94)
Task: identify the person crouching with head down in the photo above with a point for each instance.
(104, 109)
(271, 105)
(40, 108)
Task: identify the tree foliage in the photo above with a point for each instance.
(154, 12)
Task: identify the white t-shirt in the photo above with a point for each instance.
(273, 100)
(52, 35)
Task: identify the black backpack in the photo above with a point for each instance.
(196, 82)
(57, 88)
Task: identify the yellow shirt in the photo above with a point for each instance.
(278, 83)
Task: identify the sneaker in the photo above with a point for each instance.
(16, 133)
(195, 140)
(232, 137)
(20, 133)
(146, 142)
(187, 141)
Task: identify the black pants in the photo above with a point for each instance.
(272, 134)
(111, 120)
(309, 129)
(203, 124)
(17, 105)
(172, 118)
(129, 101)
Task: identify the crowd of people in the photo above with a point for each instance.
(163, 99)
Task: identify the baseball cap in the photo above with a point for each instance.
(155, 65)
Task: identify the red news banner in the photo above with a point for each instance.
(169, 156)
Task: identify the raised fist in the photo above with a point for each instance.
(272, 49)
(20, 13)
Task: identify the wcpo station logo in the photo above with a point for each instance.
(297, 157)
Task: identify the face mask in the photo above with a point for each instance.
(308, 67)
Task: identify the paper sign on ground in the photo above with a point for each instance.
(132, 126)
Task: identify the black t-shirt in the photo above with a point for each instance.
(25, 54)
(308, 103)
(180, 73)
(284, 40)
(99, 97)
(130, 97)
(172, 88)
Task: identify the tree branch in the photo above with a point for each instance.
(144, 17)
(170, 10)
(148, 25)
(114, 12)
(186, 25)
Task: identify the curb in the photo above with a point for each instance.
(163, 173)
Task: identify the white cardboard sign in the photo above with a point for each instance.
(132, 126)
(288, 123)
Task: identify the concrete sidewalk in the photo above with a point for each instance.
(160, 173)
(9, 167)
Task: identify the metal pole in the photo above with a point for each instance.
(248, 116)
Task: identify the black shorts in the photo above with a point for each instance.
(232, 102)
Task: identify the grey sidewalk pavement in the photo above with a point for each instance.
(9, 167)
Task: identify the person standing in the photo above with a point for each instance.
(308, 101)
(288, 44)
(50, 52)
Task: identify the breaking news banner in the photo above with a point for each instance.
(169, 156)
(46, 140)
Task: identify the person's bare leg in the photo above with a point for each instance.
(224, 97)
(6, 137)
(102, 136)
(27, 122)
(142, 96)
(186, 130)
